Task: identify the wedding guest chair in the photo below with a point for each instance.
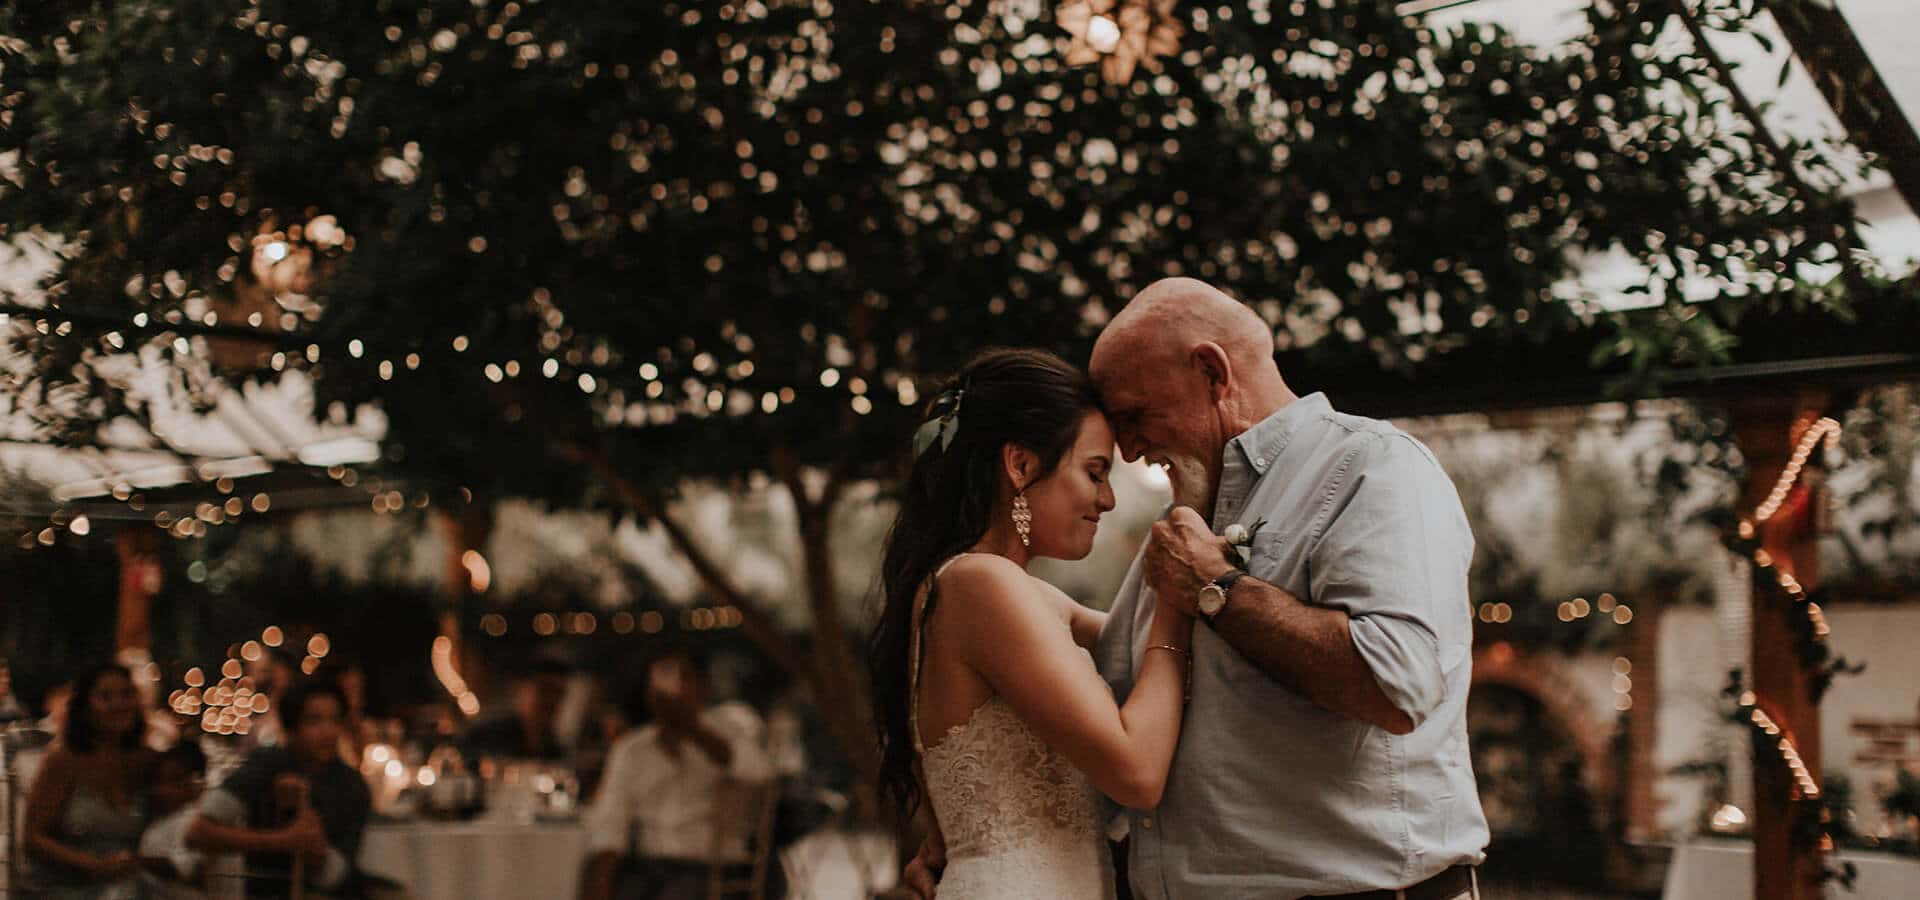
(743, 811)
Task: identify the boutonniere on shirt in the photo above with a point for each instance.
(1239, 537)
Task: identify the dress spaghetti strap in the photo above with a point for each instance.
(913, 650)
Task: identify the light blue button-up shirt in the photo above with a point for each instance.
(1271, 796)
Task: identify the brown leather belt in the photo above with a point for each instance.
(1445, 886)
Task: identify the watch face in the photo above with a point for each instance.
(1212, 599)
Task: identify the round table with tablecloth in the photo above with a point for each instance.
(478, 860)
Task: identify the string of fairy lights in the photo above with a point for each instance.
(1825, 430)
(229, 705)
(230, 506)
(1804, 784)
(701, 398)
(709, 387)
(1608, 607)
(582, 623)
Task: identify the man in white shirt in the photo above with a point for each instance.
(658, 802)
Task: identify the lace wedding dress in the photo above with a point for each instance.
(1021, 823)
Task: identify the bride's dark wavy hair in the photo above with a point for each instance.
(1012, 396)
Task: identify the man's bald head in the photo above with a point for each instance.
(1170, 316)
(1181, 371)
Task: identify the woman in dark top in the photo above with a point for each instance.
(294, 801)
(88, 804)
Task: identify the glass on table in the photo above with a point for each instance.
(526, 791)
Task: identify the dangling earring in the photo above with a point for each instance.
(1022, 518)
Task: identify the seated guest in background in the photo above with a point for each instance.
(603, 719)
(294, 801)
(530, 732)
(87, 806)
(355, 737)
(652, 825)
(11, 709)
(53, 704)
(178, 779)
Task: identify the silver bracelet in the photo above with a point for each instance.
(1182, 651)
(1186, 683)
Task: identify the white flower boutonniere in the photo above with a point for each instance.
(1239, 537)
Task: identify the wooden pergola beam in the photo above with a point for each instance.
(1846, 77)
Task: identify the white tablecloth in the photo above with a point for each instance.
(1723, 870)
(478, 860)
(840, 864)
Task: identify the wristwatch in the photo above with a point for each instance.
(1213, 597)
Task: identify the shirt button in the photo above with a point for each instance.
(1261, 462)
(1146, 822)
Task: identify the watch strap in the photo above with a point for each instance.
(1226, 581)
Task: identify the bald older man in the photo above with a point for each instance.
(1324, 751)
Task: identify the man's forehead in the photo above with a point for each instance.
(1118, 393)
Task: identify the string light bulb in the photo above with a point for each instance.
(444, 669)
(1825, 428)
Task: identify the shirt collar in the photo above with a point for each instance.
(1261, 445)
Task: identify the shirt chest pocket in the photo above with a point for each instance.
(1279, 557)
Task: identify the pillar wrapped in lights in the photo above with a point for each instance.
(1779, 538)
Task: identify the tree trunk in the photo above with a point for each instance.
(840, 690)
(831, 670)
(1787, 866)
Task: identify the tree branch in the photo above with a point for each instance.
(758, 625)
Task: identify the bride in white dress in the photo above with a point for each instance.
(990, 709)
